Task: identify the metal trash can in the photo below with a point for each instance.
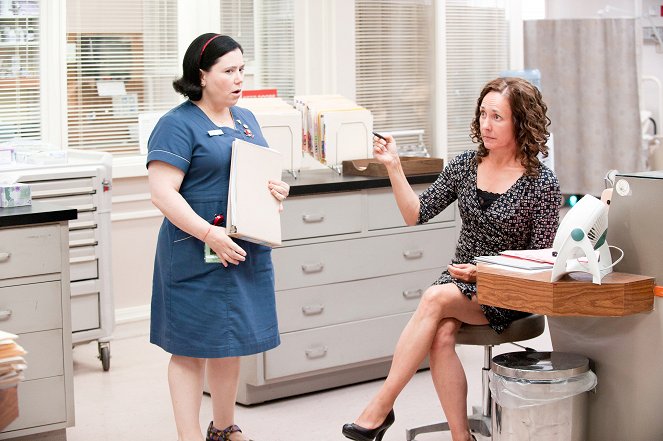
(540, 396)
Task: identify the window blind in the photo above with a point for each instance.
(20, 114)
(122, 59)
(395, 64)
(477, 51)
(276, 52)
(237, 22)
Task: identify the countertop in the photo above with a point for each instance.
(326, 181)
(619, 294)
(37, 213)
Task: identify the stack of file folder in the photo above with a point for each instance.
(335, 129)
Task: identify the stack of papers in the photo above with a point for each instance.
(12, 363)
(545, 255)
(335, 128)
(523, 259)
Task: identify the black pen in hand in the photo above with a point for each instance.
(380, 136)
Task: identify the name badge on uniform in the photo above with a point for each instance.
(217, 132)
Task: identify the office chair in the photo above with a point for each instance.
(483, 335)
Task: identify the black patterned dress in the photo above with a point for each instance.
(524, 217)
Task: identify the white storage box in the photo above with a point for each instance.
(15, 195)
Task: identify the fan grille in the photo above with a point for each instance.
(598, 229)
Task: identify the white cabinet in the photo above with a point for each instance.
(348, 277)
(35, 305)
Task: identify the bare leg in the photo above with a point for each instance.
(185, 378)
(437, 303)
(449, 379)
(223, 379)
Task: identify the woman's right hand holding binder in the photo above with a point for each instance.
(224, 247)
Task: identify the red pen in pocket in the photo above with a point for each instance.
(217, 219)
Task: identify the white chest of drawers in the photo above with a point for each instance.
(35, 304)
(348, 277)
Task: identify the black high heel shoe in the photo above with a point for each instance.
(358, 433)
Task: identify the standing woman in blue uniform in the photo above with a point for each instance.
(207, 315)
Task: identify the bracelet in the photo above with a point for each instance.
(208, 230)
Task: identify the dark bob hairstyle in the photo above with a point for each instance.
(202, 55)
(529, 120)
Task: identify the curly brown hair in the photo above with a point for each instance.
(529, 120)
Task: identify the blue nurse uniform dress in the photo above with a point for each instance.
(199, 309)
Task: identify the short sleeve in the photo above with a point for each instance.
(171, 142)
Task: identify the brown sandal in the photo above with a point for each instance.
(214, 434)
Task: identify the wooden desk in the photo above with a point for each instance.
(8, 406)
(619, 294)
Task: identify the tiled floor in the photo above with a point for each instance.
(131, 401)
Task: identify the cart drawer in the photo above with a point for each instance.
(59, 188)
(29, 251)
(85, 312)
(30, 308)
(83, 263)
(81, 203)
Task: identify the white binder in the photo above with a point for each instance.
(253, 212)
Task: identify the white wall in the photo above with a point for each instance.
(324, 38)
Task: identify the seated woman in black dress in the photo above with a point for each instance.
(507, 199)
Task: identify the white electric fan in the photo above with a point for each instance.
(581, 233)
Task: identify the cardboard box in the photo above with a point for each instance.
(8, 406)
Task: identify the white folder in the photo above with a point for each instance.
(253, 212)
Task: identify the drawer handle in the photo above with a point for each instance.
(319, 352)
(313, 218)
(413, 293)
(5, 257)
(313, 267)
(313, 309)
(413, 254)
(5, 314)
